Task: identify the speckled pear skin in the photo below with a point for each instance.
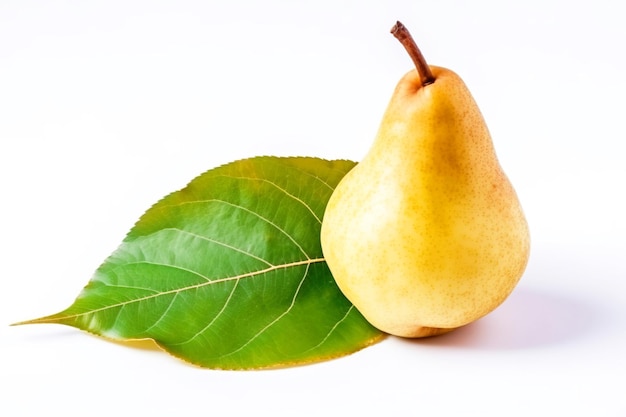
(427, 234)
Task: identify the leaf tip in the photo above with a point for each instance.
(41, 320)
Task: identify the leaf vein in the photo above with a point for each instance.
(217, 242)
(219, 313)
(128, 287)
(315, 177)
(237, 206)
(299, 200)
(276, 320)
(163, 315)
(345, 316)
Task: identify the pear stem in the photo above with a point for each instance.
(404, 36)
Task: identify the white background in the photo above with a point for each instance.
(106, 106)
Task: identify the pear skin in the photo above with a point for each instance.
(426, 234)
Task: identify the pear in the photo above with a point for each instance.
(426, 234)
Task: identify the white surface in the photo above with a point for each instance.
(106, 106)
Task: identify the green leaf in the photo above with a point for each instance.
(228, 272)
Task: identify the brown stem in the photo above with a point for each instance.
(405, 38)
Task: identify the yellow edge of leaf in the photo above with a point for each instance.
(151, 344)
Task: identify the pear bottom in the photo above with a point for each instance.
(422, 331)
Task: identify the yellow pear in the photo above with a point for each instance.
(426, 234)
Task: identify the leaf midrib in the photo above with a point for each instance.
(59, 318)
